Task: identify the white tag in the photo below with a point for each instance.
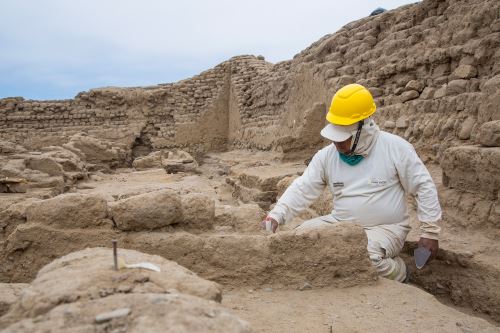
(145, 265)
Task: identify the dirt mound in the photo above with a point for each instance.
(9, 293)
(82, 292)
(153, 313)
(88, 274)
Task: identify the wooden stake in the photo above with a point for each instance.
(115, 255)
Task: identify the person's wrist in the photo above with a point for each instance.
(274, 218)
(270, 224)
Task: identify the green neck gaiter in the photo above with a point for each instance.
(351, 159)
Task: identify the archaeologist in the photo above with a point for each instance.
(369, 173)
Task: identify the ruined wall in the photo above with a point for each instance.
(471, 200)
(189, 112)
(431, 67)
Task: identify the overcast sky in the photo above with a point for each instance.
(53, 49)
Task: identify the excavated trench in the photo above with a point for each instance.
(457, 280)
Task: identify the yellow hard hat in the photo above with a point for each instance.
(351, 104)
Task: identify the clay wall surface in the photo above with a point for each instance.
(184, 113)
(433, 68)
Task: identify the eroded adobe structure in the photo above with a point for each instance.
(433, 68)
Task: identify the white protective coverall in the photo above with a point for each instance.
(371, 193)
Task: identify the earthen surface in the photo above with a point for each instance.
(184, 172)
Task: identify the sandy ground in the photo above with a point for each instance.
(387, 306)
(382, 307)
(354, 309)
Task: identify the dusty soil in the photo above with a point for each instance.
(387, 306)
(235, 253)
(434, 71)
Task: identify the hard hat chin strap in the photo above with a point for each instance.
(356, 138)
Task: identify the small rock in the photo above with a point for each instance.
(429, 129)
(268, 289)
(346, 79)
(465, 72)
(489, 134)
(376, 92)
(428, 93)
(222, 172)
(466, 129)
(107, 316)
(402, 123)
(126, 288)
(441, 92)
(389, 124)
(456, 87)
(305, 286)
(439, 286)
(177, 161)
(210, 314)
(415, 85)
(409, 95)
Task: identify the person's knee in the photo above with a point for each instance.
(387, 265)
(390, 268)
(379, 263)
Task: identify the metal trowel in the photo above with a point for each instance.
(421, 255)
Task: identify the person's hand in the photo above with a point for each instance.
(431, 245)
(274, 224)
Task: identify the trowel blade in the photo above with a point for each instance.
(421, 256)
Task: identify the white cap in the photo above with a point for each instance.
(338, 133)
